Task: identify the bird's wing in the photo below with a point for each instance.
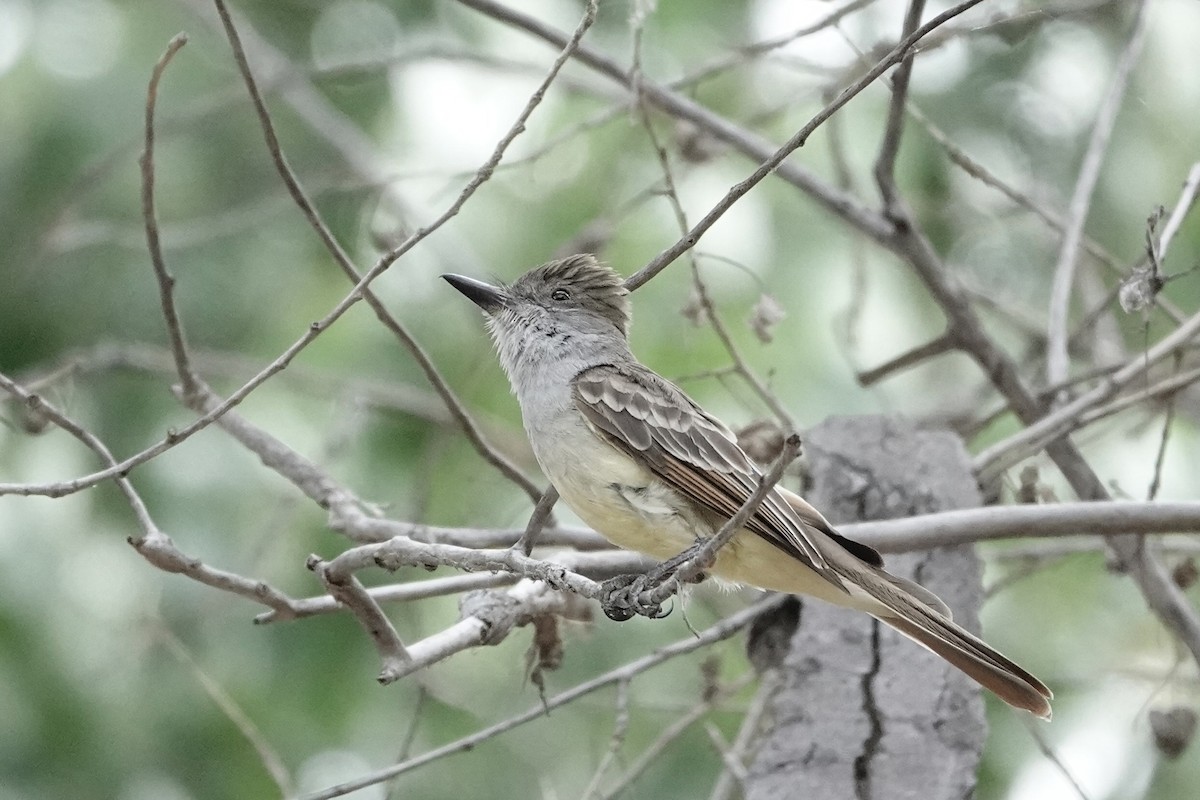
(651, 419)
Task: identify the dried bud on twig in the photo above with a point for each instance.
(762, 440)
(765, 315)
(1185, 573)
(1173, 730)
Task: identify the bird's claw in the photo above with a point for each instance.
(622, 598)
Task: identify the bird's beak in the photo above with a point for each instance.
(489, 298)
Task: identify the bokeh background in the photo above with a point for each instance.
(117, 680)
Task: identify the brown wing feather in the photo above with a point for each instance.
(648, 417)
(652, 418)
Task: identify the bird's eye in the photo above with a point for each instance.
(561, 295)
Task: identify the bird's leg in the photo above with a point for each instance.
(624, 595)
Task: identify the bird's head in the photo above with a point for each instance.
(574, 306)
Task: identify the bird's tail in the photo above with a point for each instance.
(929, 626)
(919, 614)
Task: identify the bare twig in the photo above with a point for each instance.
(62, 488)
(648, 755)
(1161, 456)
(620, 728)
(934, 347)
(1050, 428)
(1048, 751)
(734, 757)
(154, 545)
(347, 590)
(149, 217)
(718, 632)
(738, 190)
(885, 164)
(1057, 358)
(270, 759)
(771, 157)
(710, 311)
(703, 556)
(538, 520)
(400, 592)
(306, 206)
(1187, 198)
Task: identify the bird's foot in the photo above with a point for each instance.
(625, 596)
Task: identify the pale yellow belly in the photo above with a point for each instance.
(748, 559)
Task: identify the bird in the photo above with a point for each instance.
(645, 466)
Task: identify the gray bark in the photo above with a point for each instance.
(858, 710)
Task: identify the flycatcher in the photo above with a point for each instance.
(651, 471)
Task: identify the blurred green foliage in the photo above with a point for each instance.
(384, 109)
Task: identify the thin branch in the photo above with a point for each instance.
(730, 778)
(1050, 428)
(1187, 198)
(1161, 456)
(315, 329)
(270, 759)
(718, 632)
(149, 216)
(1092, 518)
(394, 593)
(315, 221)
(885, 164)
(541, 516)
(382, 395)
(597, 566)
(738, 190)
(653, 751)
(401, 552)
(1052, 219)
(347, 590)
(1163, 388)
(1057, 358)
(1049, 753)
(935, 347)
(620, 728)
(702, 557)
(153, 545)
(710, 311)
(751, 145)
(739, 362)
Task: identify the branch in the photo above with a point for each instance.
(718, 632)
(1093, 518)
(338, 577)
(885, 164)
(306, 206)
(738, 190)
(934, 347)
(597, 565)
(1057, 358)
(1051, 428)
(749, 144)
(153, 545)
(150, 220)
(174, 437)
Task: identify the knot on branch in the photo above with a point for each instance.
(159, 550)
(498, 611)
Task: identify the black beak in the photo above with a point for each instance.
(484, 295)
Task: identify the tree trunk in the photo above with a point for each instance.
(859, 711)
